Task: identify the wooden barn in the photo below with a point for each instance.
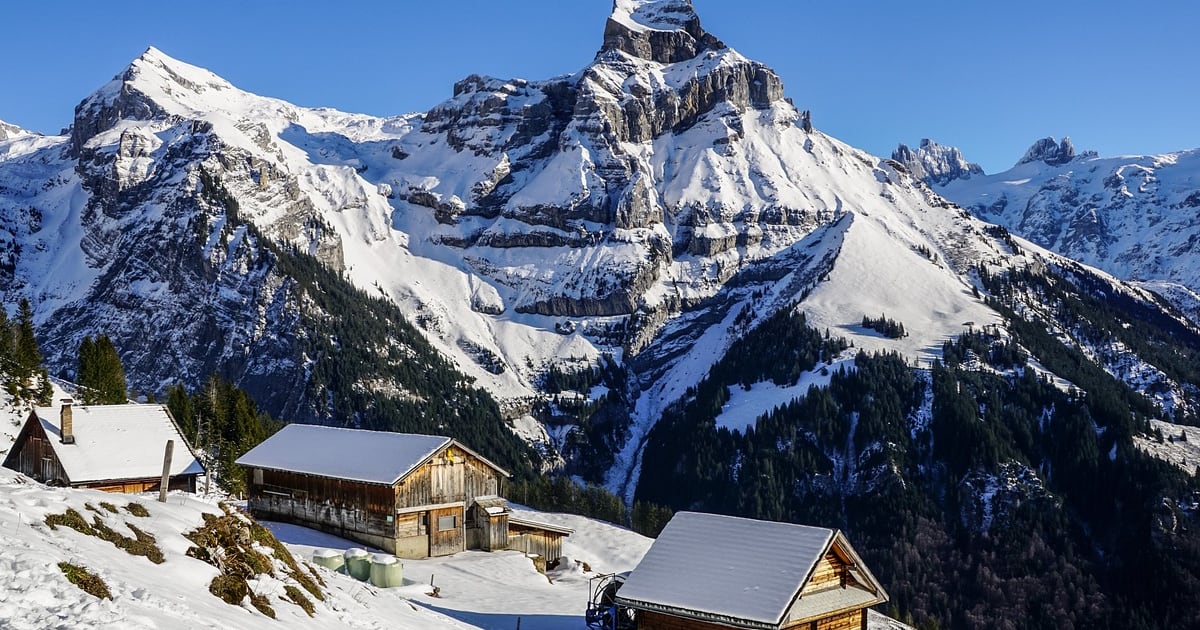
(707, 571)
(413, 495)
(536, 537)
(116, 448)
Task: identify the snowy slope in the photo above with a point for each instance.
(476, 589)
(1133, 216)
(173, 594)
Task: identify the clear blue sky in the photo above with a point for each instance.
(989, 77)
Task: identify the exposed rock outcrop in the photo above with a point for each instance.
(935, 164)
(663, 31)
(1051, 152)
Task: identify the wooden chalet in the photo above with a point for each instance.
(413, 495)
(116, 448)
(707, 571)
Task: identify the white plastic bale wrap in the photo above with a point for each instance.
(386, 571)
(329, 558)
(358, 563)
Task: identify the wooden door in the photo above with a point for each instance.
(446, 535)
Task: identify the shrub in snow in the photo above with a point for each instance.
(87, 581)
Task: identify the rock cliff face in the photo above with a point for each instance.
(935, 164)
(1050, 152)
(665, 32)
(577, 160)
(10, 131)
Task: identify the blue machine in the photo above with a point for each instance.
(603, 612)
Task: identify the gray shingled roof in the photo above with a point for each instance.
(369, 456)
(736, 570)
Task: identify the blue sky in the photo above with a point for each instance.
(989, 77)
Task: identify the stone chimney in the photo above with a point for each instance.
(66, 426)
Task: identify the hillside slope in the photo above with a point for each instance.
(1133, 216)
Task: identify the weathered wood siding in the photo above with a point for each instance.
(495, 533)
(647, 620)
(32, 455)
(451, 476)
(403, 519)
(536, 541)
(415, 490)
(348, 508)
(831, 572)
(445, 541)
(852, 620)
(133, 486)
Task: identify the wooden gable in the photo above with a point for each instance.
(452, 474)
(33, 455)
(837, 592)
(832, 571)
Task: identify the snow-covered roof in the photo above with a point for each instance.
(520, 521)
(117, 442)
(738, 571)
(354, 454)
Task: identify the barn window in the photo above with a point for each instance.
(258, 476)
(447, 523)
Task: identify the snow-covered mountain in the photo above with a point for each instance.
(620, 257)
(1133, 216)
(643, 212)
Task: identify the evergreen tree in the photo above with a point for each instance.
(222, 422)
(26, 355)
(26, 378)
(5, 341)
(101, 375)
(180, 405)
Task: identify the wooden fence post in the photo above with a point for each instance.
(166, 476)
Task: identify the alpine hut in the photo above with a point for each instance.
(116, 448)
(707, 571)
(413, 495)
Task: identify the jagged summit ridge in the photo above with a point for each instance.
(658, 15)
(153, 86)
(664, 31)
(935, 163)
(1049, 151)
(8, 131)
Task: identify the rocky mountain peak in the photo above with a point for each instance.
(664, 31)
(935, 163)
(1049, 151)
(153, 86)
(10, 131)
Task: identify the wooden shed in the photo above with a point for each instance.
(707, 571)
(115, 448)
(408, 494)
(536, 537)
(487, 524)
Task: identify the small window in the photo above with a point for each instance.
(447, 523)
(258, 476)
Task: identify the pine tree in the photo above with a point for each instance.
(5, 341)
(101, 375)
(26, 355)
(86, 376)
(27, 379)
(182, 410)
